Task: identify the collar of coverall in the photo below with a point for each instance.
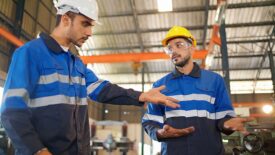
(51, 43)
(196, 72)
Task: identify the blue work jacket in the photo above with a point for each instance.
(204, 104)
(45, 99)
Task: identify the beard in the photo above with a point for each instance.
(73, 37)
(183, 62)
(77, 42)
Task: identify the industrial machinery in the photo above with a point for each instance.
(110, 144)
(260, 141)
(5, 144)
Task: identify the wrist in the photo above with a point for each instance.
(141, 97)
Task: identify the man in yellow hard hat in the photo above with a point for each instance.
(45, 108)
(206, 110)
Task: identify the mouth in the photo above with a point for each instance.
(83, 39)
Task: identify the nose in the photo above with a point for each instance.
(89, 32)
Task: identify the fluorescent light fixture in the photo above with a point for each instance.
(267, 109)
(165, 5)
(225, 140)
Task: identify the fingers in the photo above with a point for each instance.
(161, 87)
(164, 132)
(186, 131)
(237, 124)
(166, 128)
(167, 131)
(235, 127)
(172, 99)
(171, 104)
(180, 132)
(248, 119)
(245, 132)
(190, 129)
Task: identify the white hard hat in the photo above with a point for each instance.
(88, 8)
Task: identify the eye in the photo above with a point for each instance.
(169, 47)
(179, 44)
(86, 24)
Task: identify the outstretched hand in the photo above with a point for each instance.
(44, 152)
(169, 132)
(155, 96)
(237, 124)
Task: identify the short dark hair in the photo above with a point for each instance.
(58, 17)
(58, 20)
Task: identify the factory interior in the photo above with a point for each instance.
(235, 39)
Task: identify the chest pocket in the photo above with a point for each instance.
(206, 92)
(50, 74)
(171, 88)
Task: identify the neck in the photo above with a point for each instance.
(186, 69)
(60, 37)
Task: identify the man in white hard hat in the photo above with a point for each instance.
(205, 108)
(44, 109)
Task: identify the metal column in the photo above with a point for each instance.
(142, 110)
(271, 59)
(103, 115)
(225, 59)
(205, 23)
(17, 25)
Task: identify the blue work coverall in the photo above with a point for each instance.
(45, 99)
(204, 104)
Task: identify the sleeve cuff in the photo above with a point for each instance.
(136, 95)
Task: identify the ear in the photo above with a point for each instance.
(65, 20)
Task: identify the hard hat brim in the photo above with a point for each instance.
(164, 41)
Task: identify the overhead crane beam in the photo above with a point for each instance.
(135, 57)
(10, 37)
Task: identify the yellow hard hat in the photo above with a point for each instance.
(178, 31)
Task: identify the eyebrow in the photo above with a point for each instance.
(178, 42)
(185, 41)
(87, 22)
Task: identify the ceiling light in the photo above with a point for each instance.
(165, 5)
(267, 109)
(106, 111)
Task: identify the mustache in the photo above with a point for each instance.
(175, 55)
(85, 38)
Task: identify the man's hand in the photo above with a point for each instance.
(237, 124)
(170, 132)
(43, 152)
(154, 96)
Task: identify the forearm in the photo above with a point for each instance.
(114, 94)
(18, 127)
